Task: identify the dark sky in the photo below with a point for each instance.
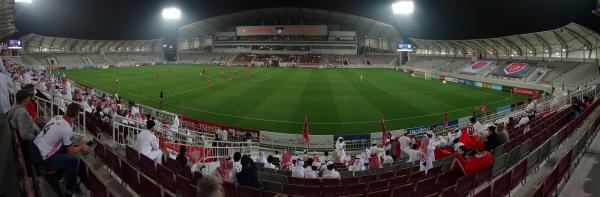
(433, 19)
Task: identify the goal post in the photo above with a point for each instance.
(427, 75)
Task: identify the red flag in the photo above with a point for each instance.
(384, 133)
(445, 118)
(305, 134)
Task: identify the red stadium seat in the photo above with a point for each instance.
(182, 183)
(483, 175)
(486, 192)
(564, 165)
(148, 166)
(330, 182)
(166, 177)
(191, 191)
(426, 187)
(99, 189)
(381, 193)
(444, 180)
(113, 162)
(368, 178)
(303, 181)
(131, 177)
(332, 190)
(133, 157)
(173, 165)
(501, 186)
(302, 190)
(100, 151)
(417, 176)
(377, 185)
(404, 191)
(398, 181)
(539, 192)
(434, 171)
(244, 191)
(150, 189)
(518, 174)
(385, 175)
(448, 192)
(349, 180)
(550, 183)
(464, 184)
(402, 172)
(359, 188)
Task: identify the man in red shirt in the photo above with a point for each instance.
(480, 160)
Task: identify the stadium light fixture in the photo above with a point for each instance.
(23, 1)
(171, 13)
(403, 7)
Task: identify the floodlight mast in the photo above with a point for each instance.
(403, 7)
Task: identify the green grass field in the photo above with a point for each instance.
(276, 99)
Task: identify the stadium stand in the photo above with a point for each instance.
(546, 132)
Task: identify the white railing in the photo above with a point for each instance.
(56, 105)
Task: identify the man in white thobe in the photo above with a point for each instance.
(147, 143)
(340, 147)
(298, 170)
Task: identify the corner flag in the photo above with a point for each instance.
(157, 76)
(305, 134)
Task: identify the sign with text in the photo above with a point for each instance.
(308, 30)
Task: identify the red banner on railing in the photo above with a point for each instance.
(525, 91)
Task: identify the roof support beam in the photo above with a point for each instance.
(562, 42)
(477, 46)
(498, 46)
(513, 45)
(587, 43)
(528, 44)
(486, 45)
(544, 43)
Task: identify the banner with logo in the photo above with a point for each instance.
(487, 85)
(525, 91)
(469, 82)
(478, 84)
(497, 87)
(477, 66)
(451, 79)
(420, 131)
(295, 140)
(515, 70)
(461, 81)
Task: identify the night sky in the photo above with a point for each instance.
(432, 19)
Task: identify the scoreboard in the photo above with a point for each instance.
(307, 30)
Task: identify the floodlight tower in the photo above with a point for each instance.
(171, 15)
(403, 10)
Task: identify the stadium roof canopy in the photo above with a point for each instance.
(39, 43)
(568, 41)
(307, 16)
(7, 18)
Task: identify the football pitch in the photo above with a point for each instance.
(336, 101)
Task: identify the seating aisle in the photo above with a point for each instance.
(587, 173)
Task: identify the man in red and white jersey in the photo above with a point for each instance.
(57, 149)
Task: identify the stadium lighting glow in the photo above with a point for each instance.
(403, 7)
(23, 1)
(171, 13)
